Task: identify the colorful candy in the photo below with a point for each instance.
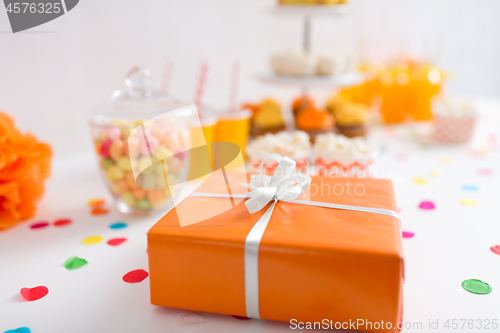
(105, 148)
(116, 149)
(127, 158)
(114, 173)
(114, 133)
(149, 146)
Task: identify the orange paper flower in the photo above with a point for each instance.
(24, 166)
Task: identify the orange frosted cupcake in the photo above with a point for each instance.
(301, 103)
(314, 122)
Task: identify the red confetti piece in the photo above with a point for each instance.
(62, 222)
(408, 234)
(39, 225)
(135, 276)
(33, 294)
(116, 241)
(99, 211)
(241, 318)
(495, 249)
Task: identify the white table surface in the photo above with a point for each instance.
(451, 244)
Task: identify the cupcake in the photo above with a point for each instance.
(350, 117)
(347, 157)
(295, 63)
(314, 122)
(310, 63)
(295, 145)
(335, 63)
(454, 120)
(301, 103)
(268, 118)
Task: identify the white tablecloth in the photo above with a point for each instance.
(451, 244)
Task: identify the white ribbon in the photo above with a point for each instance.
(285, 185)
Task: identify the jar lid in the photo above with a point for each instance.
(138, 102)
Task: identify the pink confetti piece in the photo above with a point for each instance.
(401, 157)
(408, 234)
(495, 249)
(475, 152)
(39, 225)
(492, 138)
(400, 209)
(485, 172)
(428, 205)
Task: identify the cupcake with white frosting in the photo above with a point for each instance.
(335, 62)
(454, 120)
(295, 145)
(343, 156)
(310, 63)
(295, 63)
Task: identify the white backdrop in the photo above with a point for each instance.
(52, 74)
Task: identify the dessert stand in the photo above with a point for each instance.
(307, 13)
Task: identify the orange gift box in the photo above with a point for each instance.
(314, 263)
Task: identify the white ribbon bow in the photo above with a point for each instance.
(284, 184)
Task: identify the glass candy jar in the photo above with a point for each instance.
(142, 138)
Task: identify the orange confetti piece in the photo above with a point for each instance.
(99, 211)
(96, 202)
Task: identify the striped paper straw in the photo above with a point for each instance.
(202, 78)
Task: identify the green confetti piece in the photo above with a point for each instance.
(476, 287)
(75, 262)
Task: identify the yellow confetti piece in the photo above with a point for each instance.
(483, 150)
(420, 181)
(92, 240)
(96, 202)
(446, 160)
(436, 173)
(468, 202)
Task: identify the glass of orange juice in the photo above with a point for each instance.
(234, 127)
(425, 86)
(202, 136)
(394, 91)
